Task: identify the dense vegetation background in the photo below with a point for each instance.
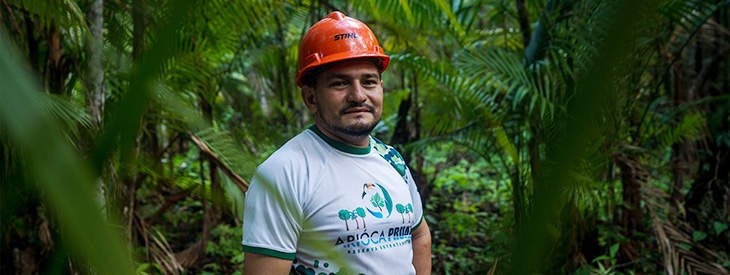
(546, 136)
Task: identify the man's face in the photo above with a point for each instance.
(348, 98)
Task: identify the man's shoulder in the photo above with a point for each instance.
(385, 150)
(298, 151)
(391, 155)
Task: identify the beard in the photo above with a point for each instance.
(357, 129)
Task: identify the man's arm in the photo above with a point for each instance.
(261, 264)
(422, 248)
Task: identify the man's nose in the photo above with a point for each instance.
(356, 93)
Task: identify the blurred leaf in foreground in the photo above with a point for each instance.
(58, 172)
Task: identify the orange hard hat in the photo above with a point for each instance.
(335, 38)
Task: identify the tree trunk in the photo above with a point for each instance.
(631, 217)
(138, 31)
(409, 131)
(194, 255)
(708, 200)
(132, 179)
(678, 174)
(533, 148)
(524, 22)
(95, 77)
(401, 133)
(95, 69)
(32, 45)
(518, 199)
(55, 71)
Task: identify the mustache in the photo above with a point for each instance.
(357, 105)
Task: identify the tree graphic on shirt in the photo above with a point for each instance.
(405, 209)
(345, 215)
(400, 209)
(377, 201)
(354, 216)
(410, 211)
(361, 212)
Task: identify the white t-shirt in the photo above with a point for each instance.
(315, 195)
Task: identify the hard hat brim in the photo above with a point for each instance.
(384, 60)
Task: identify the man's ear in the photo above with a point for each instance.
(309, 98)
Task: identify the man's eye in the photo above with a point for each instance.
(338, 84)
(370, 83)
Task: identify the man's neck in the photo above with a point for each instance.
(354, 141)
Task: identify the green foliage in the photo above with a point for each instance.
(344, 215)
(526, 156)
(143, 269)
(698, 236)
(55, 168)
(719, 227)
(470, 220)
(502, 75)
(689, 127)
(377, 200)
(611, 257)
(225, 252)
(67, 13)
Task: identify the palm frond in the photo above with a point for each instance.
(64, 12)
(471, 137)
(500, 73)
(218, 143)
(71, 114)
(458, 103)
(690, 15)
(690, 126)
(465, 100)
(228, 150)
(429, 15)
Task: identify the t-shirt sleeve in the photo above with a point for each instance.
(416, 198)
(272, 213)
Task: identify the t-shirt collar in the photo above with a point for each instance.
(339, 145)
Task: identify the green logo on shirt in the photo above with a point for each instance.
(377, 199)
(403, 209)
(356, 215)
(377, 203)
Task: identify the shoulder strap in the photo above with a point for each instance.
(392, 156)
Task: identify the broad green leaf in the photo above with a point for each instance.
(63, 177)
(719, 227)
(601, 258)
(614, 249)
(698, 236)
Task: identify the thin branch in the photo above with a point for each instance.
(12, 19)
(238, 180)
(169, 202)
(169, 145)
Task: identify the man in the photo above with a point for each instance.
(333, 187)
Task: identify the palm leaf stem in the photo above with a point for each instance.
(237, 179)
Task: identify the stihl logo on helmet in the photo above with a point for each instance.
(346, 36)
(335, 38)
